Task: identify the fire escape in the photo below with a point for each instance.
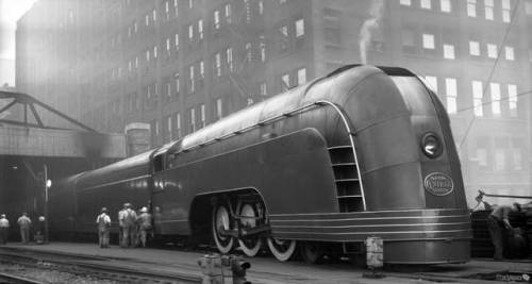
(243, 28)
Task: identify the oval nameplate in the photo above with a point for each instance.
(438, 184)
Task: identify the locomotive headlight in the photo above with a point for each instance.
(431, 145)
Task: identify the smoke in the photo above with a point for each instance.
(368, 26)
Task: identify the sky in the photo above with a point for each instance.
(10, 12)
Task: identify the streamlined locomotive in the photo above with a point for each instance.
(365, 151)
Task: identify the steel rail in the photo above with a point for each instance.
(78, 265)
(12, 278)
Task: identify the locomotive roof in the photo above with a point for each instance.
(125, 169)
(280, 104)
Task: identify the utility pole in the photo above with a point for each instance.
(47, 184)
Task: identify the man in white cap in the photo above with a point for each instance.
(4, 229)
(126, 220)
(144, 223)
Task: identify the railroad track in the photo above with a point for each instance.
(94, 267)
(15, 279)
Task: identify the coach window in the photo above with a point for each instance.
(158, 163)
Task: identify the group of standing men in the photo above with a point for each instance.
(133, 227)
(24, 222)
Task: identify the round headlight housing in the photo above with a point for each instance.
(431, 145)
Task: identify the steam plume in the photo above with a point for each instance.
(368, 26)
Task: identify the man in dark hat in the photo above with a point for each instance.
(104, 223)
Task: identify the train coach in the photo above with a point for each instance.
(365, 151)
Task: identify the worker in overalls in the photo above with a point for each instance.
(104, 224)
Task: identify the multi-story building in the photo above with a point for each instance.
(182, 64)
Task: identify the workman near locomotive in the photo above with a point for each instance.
(24, 223)
(104, 224)
(144, 225)
(4, 229)
(498, 222)
(126, 219)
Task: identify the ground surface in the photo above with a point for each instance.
(267, 270)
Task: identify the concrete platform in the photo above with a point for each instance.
(267, 270)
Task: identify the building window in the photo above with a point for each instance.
(200, 29)
(474, 48)
(169, 127)
(136, 62)
(190, 4)
(301, 76)
(148, 55)
(512, 99)
(285, 82)
(426, 4)
(168, 87)
(472, 8)
(488, 9)
(428, 41)
(262, 47)
(154, 15)
(202, 116)
(191, 83)
(229, 57)
(192, 118)
(495, 89)
(228, 13)
(528, 7)
(176, 9)
(284, 37)
(500, 159)
(408, 41)
(452, 94)
(263, 89)
(478, 93)
(216, 19)
(176, 41)
(168, 44)
(448, 51)
(432, 83)
(249, 53)
(300, 28)
(492, 50)
(177, 84)
(190, 32)
(506, 8)
(509, 51)
(155, 52)
(201, 70)
(178, 125)
(217, 64)
(445, 6)
(482, 155)
(405, 2)
(147, 20)
(167, 9)
(219, 109)
(261, 7)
